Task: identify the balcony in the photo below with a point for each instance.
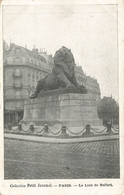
(14, 97)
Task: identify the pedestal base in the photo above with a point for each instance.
(70, 109)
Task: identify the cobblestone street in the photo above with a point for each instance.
(31, 160)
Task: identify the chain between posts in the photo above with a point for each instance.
(117, 130)
(76, 133)
(54, 133)
(39, 131)
(99, 131)
(43, 130)
(15, 129)
(26, 130)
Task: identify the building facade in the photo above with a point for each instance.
(90, 83)
(22, 68)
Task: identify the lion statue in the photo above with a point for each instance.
(62, 75)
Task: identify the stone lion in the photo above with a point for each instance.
(62, 75)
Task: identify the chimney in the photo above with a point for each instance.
(35, 51)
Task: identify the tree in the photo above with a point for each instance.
(108, 110)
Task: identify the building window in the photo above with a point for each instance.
(17, 93)
(5, 62)
(18, 51)
(33, 76)
(28, 72)
(17, 72)
(27, 60)
(17, 60)
(37, 75)
(28, 82)
(17, 85)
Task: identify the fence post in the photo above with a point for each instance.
(31, 128)
(9, 126)
(87, 132)
(63, 132)
(46, 129)
(88, 129)
(109, 127)
(19, 127)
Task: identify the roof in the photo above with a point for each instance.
(34, 53)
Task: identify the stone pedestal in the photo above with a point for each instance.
(68, 109)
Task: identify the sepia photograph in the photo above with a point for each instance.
(61, 92)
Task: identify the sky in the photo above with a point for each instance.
(90, 31)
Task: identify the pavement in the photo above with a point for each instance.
(32, 159)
